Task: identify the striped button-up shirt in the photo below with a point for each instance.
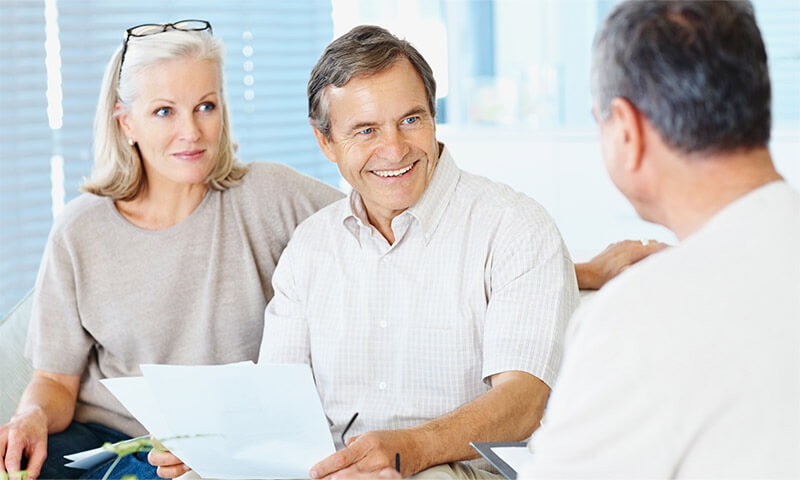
(477, 282)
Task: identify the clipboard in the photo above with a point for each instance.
(486, 449)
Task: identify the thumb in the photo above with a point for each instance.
(351, 440)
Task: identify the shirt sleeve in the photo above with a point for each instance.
(602, 419)
(57, 341)
(286, 337)
(533, 292)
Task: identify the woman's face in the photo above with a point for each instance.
(177, 121)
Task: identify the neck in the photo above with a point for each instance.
(384, 224)
(160, 208)
(701, 186)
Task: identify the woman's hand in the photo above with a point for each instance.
(614, 260)
(24, 436)
(47, 406)
(169, 466)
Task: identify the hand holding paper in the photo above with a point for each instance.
(233, 421)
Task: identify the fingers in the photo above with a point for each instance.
(13, 457)
(333, 463)
(163, 459)
(3, 443)
(36, 460)
(172, 472)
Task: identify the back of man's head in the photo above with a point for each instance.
(696, 69)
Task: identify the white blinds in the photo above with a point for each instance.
(271, 48)
(25, 147)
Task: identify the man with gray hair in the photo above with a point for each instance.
(431, 302)
(688, 365)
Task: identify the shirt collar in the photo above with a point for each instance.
(428, 210)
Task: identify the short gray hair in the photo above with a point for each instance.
(696, 69)
(365, 50)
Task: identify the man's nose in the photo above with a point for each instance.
(393, 145)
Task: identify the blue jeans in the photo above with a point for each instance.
(85, 436)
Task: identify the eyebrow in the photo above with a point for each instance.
(166, 100)
(418, 110)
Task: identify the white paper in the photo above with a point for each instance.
(515, 457)
(232, 421)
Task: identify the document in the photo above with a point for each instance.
(232, 421)
(507, 457)
(89, 458)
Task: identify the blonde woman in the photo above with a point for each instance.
(167, 257)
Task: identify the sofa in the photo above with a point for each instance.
(15, 369)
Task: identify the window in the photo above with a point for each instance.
(515, 105)
(57, 51)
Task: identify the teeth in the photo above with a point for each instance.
(392, 173)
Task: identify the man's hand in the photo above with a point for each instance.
(169, 466)
(353, 473)
(24, 436)
(614, 260)
(369, 453)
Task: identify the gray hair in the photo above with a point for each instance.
(118, 172)
(365, 50)
(696, 70)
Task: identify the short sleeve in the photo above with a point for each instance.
(533, 292)
(286, 337)
(57, 341)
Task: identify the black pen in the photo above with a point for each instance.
(397, 462)
(349, 424)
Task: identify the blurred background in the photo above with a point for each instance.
(513, 99)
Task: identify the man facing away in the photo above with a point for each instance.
(688, 365)
(431, 301)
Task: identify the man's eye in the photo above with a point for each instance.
(366, 131)
(163, 112)
(410, 120)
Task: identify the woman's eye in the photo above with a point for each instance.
(366, 131)
(163, 112)
(206, 107)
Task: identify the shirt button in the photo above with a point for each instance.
(382, 385)
(383, 323)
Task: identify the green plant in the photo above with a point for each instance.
(135, 445)
(21, 475)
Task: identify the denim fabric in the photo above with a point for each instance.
(85, 436)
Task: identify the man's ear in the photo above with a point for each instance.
(124, 121)
(629, 134)
(324, 144)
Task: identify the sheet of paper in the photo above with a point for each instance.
(515, 457)
(234, 421)
(89, 458)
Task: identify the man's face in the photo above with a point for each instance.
(383, 138)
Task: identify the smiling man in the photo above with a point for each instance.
(431, 301)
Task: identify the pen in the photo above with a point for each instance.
(397, 462)
(349, 424)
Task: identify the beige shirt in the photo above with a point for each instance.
(110, 296)
(688, 364)
(478, 282)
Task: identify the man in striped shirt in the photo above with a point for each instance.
(431, 301)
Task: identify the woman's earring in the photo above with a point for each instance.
(131, 142)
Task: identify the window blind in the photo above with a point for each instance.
(271, 47)
(25, 148)
(270, 50)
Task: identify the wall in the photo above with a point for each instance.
(564, 172)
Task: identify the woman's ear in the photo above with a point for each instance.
(124, 120)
